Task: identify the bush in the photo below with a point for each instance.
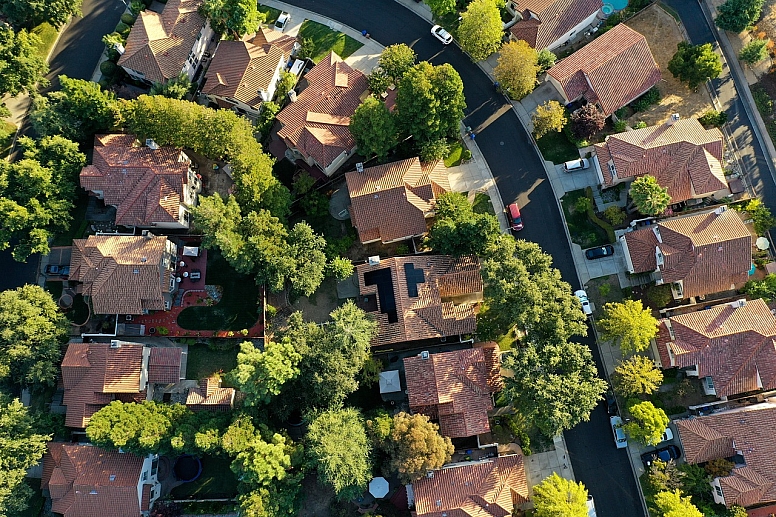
(640, 125)
(713, 118)
(127, 19)
(270, 311)
(597, 220)
(466, 155)
(122, 28)
(645, 101)
(620, 126)
(434, 150)
(108, 68)
(659, 295)
(762, 101)
(614, 215)
(104, 83)
(718, 467)
(586, 121)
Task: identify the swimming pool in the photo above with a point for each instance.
(614, 5)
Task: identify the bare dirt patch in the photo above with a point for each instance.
(663, 34)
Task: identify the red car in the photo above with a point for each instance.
(514, 218)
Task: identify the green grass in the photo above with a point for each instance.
(216, 482)
(238, 308)
(325, 40)
(482, 204)
(7, 132)
(271, 12)
(203, 362)
(506, 342)
(456, 153)
(557, 148)
(582, 230)
(47, 35)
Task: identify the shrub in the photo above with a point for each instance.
(754, 51)
(718, 467)
(713, 118)
(583, 204)
(620, 126)
(622, 112)
(466, 155)
(104, 83)
(659, 295)
(614, 215)
(640, 125)
(162, 331)
(763, 101)
(586, 121)
(122, 28)
(270, 311)
(645, 101)
(127, 19)
(433, 150)
(108, 68)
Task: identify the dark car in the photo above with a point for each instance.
(57, 270)
(599, 252)
(666, 454)
(611, 402)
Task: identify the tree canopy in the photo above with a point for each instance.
(480, 30)
(260, 374)
(395, 60)
(648, 196)
(516, 70)
(629, 324)
(415, 446)
(233, 18)
(648, 424)
(586, 121)
(737, 15)
(29, 13)
(21, 68)
(671, 504)
(559, 497)
(441, 7)
(754, 51)
(761, 216)
(458, 230)
(695, 64)
(637, 375)
(549, 117)
(373, 128)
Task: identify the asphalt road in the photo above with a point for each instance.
(519, 174)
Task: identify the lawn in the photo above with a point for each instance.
(203, 361)
(47, 35)
(482, 204)
(7, 132)
(271, 12)
(557, 148)
(238, 308)
(455, 156)
(216, 482)
(583, 231)
(325, 40)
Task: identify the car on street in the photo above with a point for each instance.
(620, 440)
(54, 270)
(599, 252)
(441, 34)
(666, 454)
(514, 218)
(611, 402)
(282, 21)
(582, 297)
(576, 165)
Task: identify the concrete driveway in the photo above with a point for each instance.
(543, 93)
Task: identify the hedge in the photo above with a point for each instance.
(127, 19)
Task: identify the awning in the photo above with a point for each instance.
(389, 381)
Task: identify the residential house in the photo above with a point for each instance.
(697, 254)
(683, 157)
(210, 396)
(86, 481)
(611, 71)
(314, 127)
(150, 186)
(744, 436)
(162, 46)
(125, 274)
(455, 388)
(551, 23)
(392, 202)
(732, 346)
(492, 487)
(421, 297)
(94, 374)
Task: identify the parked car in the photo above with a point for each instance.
(441, 34)
(590, 506)
(672, 452)
(620, 440)
(282, 21)
(599, 252)
(514, 218)
(57, 270)
(582, 296)
(576, 165)
(611, 402)
(667, 435)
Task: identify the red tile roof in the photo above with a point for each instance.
(454, 388)
(86, 481)
(391, 202)
(486, 489)
(445, 303)
(684, 157)
(611, 71)
(317, 123)
(708, 252)
(210, 396)
(554, 19)
(747, 431)
(164, 365)
(145, 185)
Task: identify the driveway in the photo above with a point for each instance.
(543, 93)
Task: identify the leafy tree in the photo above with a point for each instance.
(59, 154)
(260, 374)
(719, 467)
(629, 324)
(761, 216)
(754, 51)
(695, 64)
(545, 60)
(765, 288)
(458, 230)
(614, 215)
(175, 88)
(737, 15)
(662, 476)
(415, 446)
(31, 333)
(648, 196)
(339, 450)
(550, 116)
(22, 67)
(517, 68)
(378, 81)
(586, 121)
(480, 29)
(29, 13)
(306, 250)
(441, 7)
(737, 511)
(583, 204)
(263, 461)
(637, 375)
(373, 128)
(432, 150)
(340, 268)
(285, 84)
(395, 60)
(694, 480)
(559, 497)
(269, 110)
(648, 424)
(233, 18)
(672, 504)
(713, 118)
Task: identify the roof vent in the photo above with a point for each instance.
(151, 144)
(143, 259)
(115, 343)
(720, 210)
(424, 354)
(373, 260)
(93, 492)
(429, 475)
(112, 477)
(438, 502)
(136, 271)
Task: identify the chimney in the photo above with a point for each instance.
(673, 120)
(119, 48)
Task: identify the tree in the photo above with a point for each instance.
(29, 13)
(441, 7)
(765, 288)
(378, 81)
(672, 504)
(586, 121)
(306, 251)
(415, 446)
(550, 116)
(59, 154)
(373, 128)
(637, 375)
(269, 110)
(559, 497)
(175, 88)
(458, 230)
(340, 268)
(260, 374)
(395, 60)
(545, 60)
(629, 324)
(754, 51)
(719, 467)
(32, 331)
(737, 15)
(695, 64)
(21, 66)
(263, 461)
(432, 150)
(233, 18)
(761, 216)
(517, 68)
(648, 196)
(480, 30)
(648, 425)
(339, 450)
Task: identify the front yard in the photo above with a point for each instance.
(557, 148)
(583, 231)
(325, 40)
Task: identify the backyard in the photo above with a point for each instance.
(583, 231)
(203, 361)
(217, 481)
(323, 40)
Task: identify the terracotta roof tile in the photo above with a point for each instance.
(164, 365)
(210, 396)
(555, 19)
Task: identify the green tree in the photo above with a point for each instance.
(260, 374)
(378, 81)
(586, 121)
(765, 288)
(175, 88)
(737, 15)
(432, 150)
(22, 68)
(340, 268)
(395, 60)
(545, 60)
(754, 51)
(695, 64)
(637, 375)
(614, 215)
(480, 29)
(306, 251)
(339, 450)
(649, 197)
(719, 467)
(29, 13)
(517, 67)
(263, 461)
(415, 446)
(59, 154)
(458, 230)
(441, 7)
(559, 497)
(648, 424)
(550, 116)
(761, 216)
(628, 324)
(373, 128)
(269, 110)
(672, 504)
(233, 18)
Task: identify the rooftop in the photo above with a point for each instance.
(552, 19)
(210, 396)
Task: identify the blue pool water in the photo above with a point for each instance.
(607, 9)
(618, 5)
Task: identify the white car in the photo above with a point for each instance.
(582, 297)
(441, 34)
(620, 440)
(282, 21)
(667, 435)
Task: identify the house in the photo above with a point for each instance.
(683, 157)
(611, 71)
(391, 202)
(86, 481)
(697, 254)
(732, 346)
(428, 297)
(551, 23)
(162, 46)
(455, 388)
(150, 186)
(244, 74)
(493, 487)
(94, 374)
(125, 274)
(744, 436)
(210, 396)
(314, 127)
